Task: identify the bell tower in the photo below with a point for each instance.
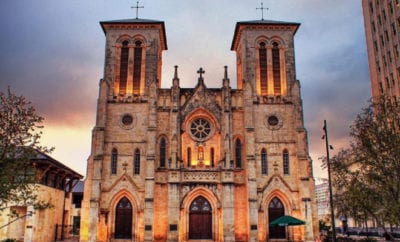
(265, 55)
(133, 55)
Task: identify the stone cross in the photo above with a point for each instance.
(201, 72)
(137, 9)
(262, 10)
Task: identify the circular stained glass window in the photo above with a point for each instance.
(127, 119)
(200, 128)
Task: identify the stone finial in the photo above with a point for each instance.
(175, 80)
(176, 72)
(225, 81)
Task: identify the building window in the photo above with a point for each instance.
(212, 157)
(376, 46)
(380, 20)
(394, 29)
(387, 35)
(238, 153)
(384, 15)
(264, 162)
(123, 68)
(114, 159)
(263, 69)
(189, 156)
(382, 40)
(137, 162)
(381, 87)
(285, 157)
(276, 68)
(371, 7)
(373, 26)
(137, 66)
(163, 151)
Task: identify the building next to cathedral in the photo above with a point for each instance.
(210, 164)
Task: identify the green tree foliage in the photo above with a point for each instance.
(20, 131)
(366, 176)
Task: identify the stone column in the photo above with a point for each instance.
(150, 164)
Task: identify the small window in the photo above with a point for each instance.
(163, 151)
(137, 162)
(285, 157)
(238, 153)
(264, 162)
(212, 157)
(114, 159)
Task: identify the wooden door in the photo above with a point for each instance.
(276, 210)
(123, 219)
(200, 219)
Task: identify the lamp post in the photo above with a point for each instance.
(328, 162)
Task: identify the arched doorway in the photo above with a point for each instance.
(200, 219)
(123, 219)
(276, 210)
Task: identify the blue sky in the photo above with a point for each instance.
(52, 52)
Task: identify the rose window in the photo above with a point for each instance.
(200, 128)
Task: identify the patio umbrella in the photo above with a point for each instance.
(287, 221)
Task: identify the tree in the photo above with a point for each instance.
(20, 132)
(366, 176)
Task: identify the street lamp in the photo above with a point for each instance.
(328, 162)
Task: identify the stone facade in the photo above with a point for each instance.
(54, 183)
(215, 164)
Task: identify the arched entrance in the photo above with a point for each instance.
(200, 219)
(123, 219)
(276, 210)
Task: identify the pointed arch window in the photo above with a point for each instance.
(114, 160)
(262, 52)
(123, 69)
(264, 162)
(276, 68)
(238, 153)
(137, 66)
(163, 152)
(285, 157)
(137, 162)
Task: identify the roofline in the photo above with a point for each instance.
(54, 161)
(238, 24)
(102, 23)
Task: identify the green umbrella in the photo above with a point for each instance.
(286, 221)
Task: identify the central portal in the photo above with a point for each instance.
(200, 219)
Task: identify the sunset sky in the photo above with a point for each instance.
(52, 52)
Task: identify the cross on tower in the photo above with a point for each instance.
(262, 10)
(201, 72)
(137, 8)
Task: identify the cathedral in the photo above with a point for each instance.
(199, 163)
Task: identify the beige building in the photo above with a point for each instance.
(54, 181)
(382, 26)
(209, 164)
